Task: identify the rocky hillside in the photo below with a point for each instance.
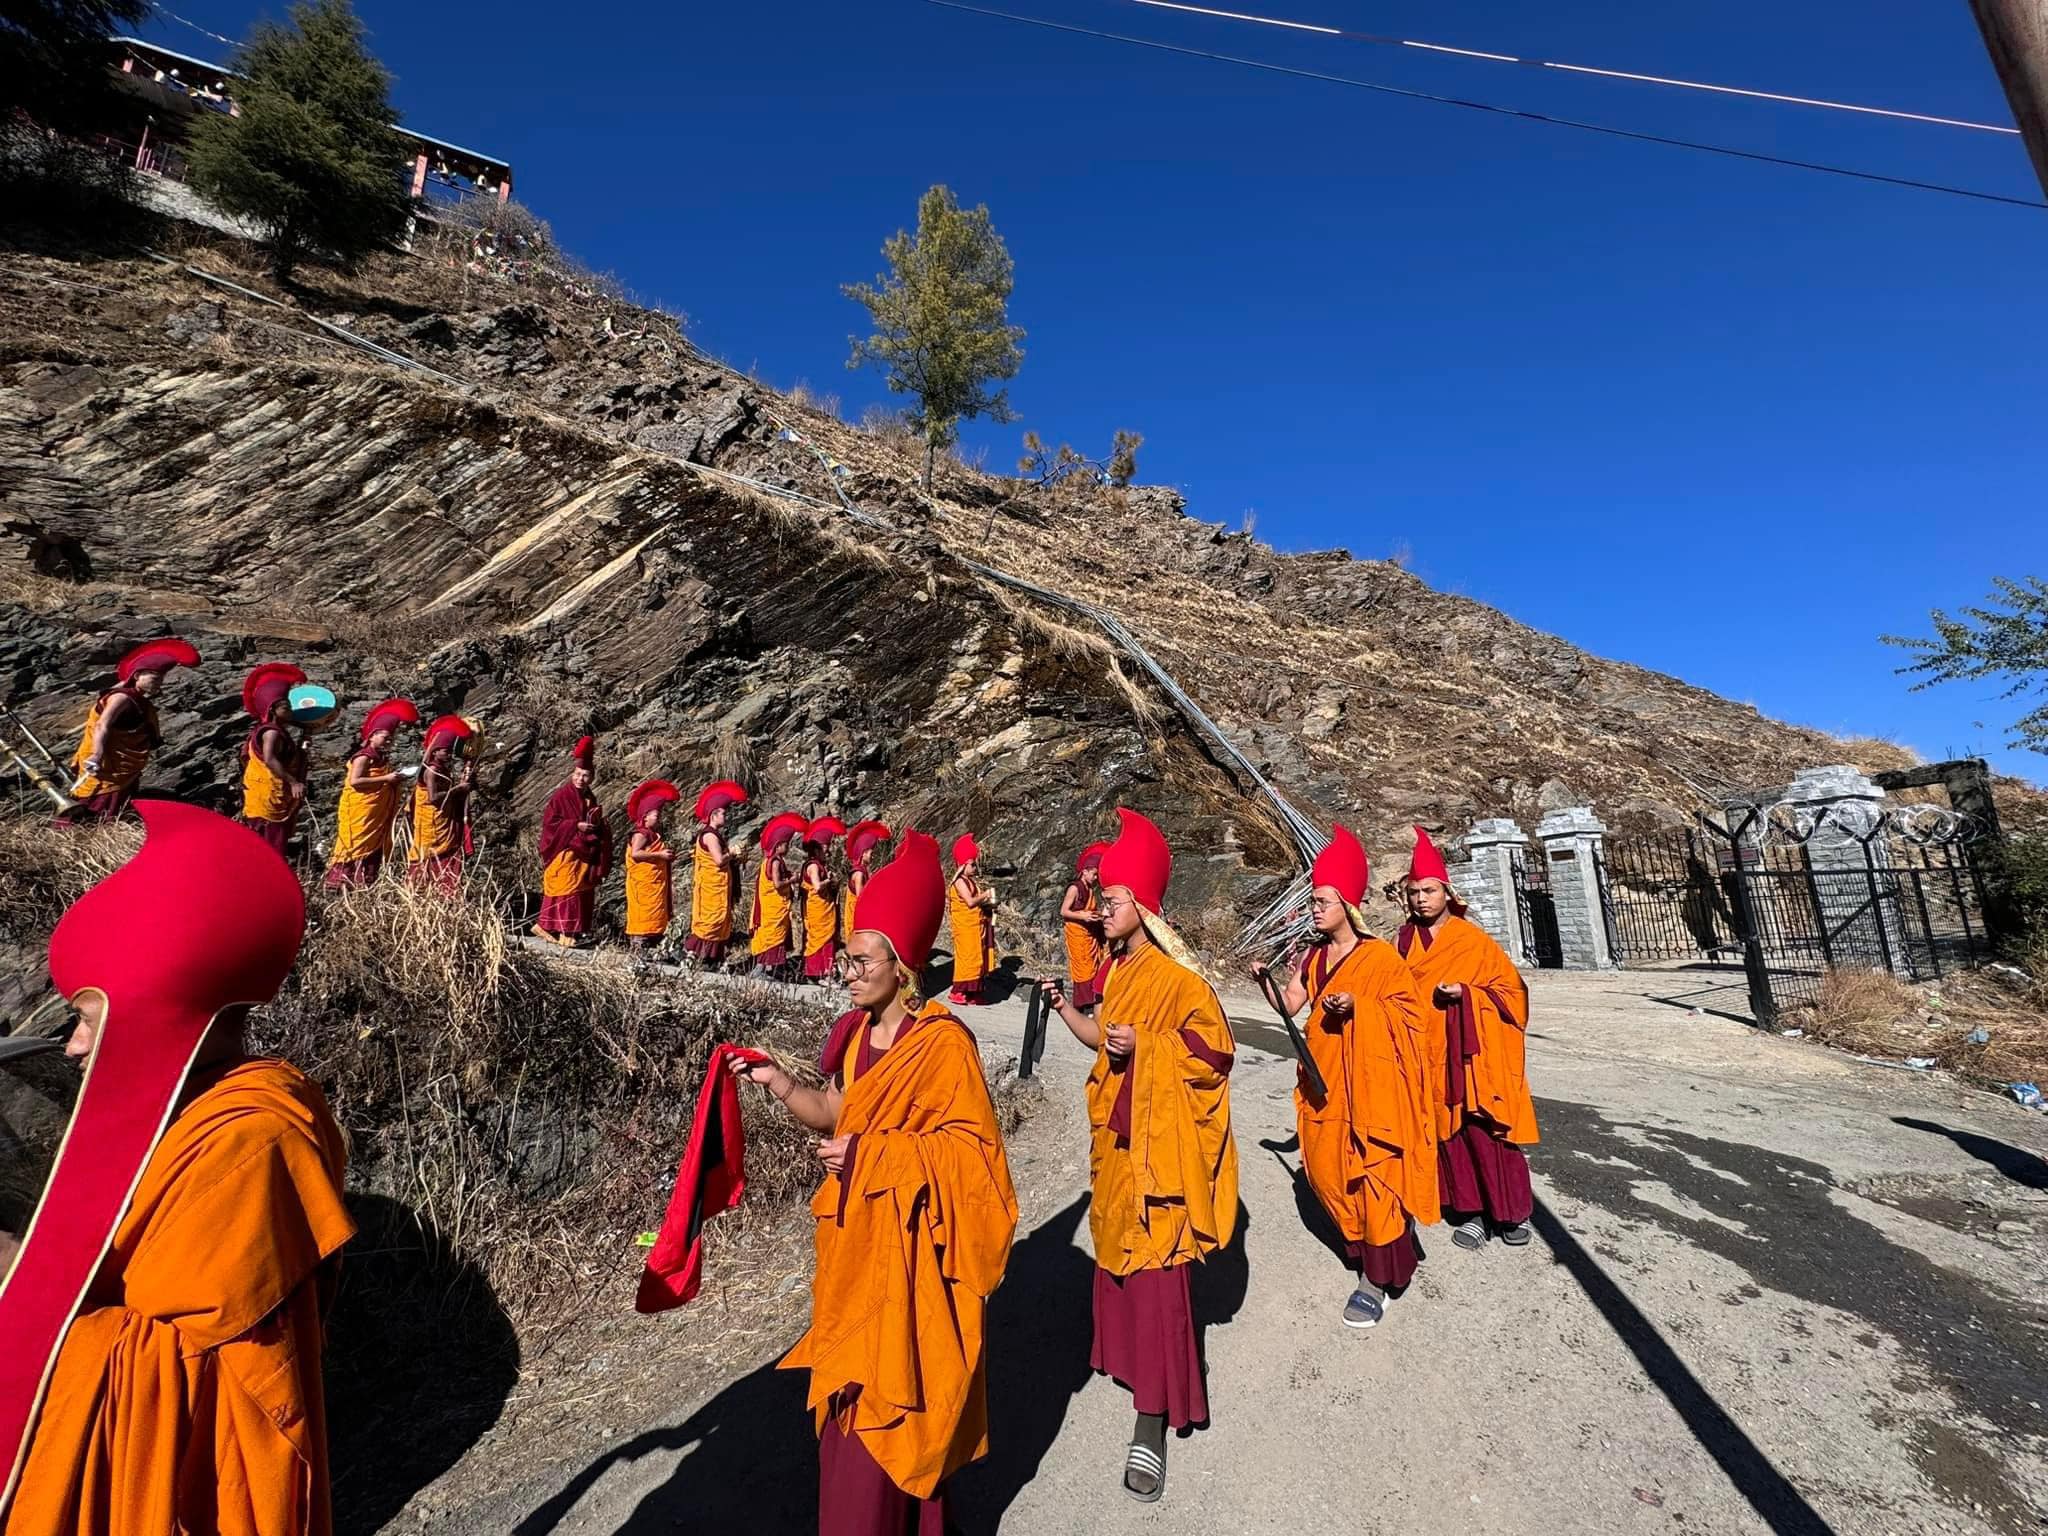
(545, 532)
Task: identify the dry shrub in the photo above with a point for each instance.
(1875, 1014)
(1064, 640)
(44, 868)
(1872, 1012)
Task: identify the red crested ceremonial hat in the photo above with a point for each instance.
(905, 900)
(157, 656)
(824, 829)
(965, 849)
(1139, 859)
(204, 918)
(1428, 863)
(1091, 858)
(864, 836)
(780, 829)
(266, 685)
(585, 755)
(452, 728)
(717, 795)
(1342, 866)
(652, 793)
(389, 716)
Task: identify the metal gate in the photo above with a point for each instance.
(1793, 893)
(1536, 910)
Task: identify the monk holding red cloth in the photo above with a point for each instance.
(714, 873)
(162, 1318)
(121, 730)
(650, 895)
(1482, 1008)
(369, 799)
(1161, 1157)
(1082, 925)
(861, 840)
(1369, 1147)
(440, 805)
(575, 852)
(273, 760)
(773, 883)
(914, 1222)
(822, 938)
(971, 907)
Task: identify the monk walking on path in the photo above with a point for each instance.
(914, 1222)
(369, 799)
(273, 761)
(162, 1318)
(861, 840)
(121, 730)
(1368, 1148)
(1481, 1006)
(650, 865)
(714, 873)
(440, 806)
(1161, 1158)
(971, 907)
(822, 938)
(1081, 924)
(575, 852)
(773, 883)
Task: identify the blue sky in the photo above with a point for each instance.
(1728, 421)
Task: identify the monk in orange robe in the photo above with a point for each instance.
(273, 760)
(440, 806)
(861, 840)
(369, 799)
(773, 883)
(121, 730)
(172, 1280)
(575, 852)
(821, 905)
(1481, 1006)
(1082, 926)
(650, 896)
(970, 906)
(914, 1222)
(1162, 1161)
(714, 873)
(1368, 1147)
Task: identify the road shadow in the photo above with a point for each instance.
(1306, 1205)
(1040, 1328)
(752, 1466)
(420, 1359)
(1779, 1504)
(1217, 1289)
(2029, 1169)
(1001, 984)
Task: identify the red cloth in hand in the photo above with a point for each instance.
(711, 1179)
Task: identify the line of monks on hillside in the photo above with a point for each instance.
(163, 1309)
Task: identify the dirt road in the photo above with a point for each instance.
(1773, 1290)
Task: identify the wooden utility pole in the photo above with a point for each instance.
(2016, 34)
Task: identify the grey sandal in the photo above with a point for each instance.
(1142, 1461)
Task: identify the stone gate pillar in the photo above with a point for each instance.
(1486, 884)
(1855, 918)
(1572, 841)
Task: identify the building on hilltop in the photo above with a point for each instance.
(167, 90)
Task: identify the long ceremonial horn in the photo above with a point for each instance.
(63, 798)
(22, 726)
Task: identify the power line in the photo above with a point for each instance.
(171, 15)
(1575, 69)
(1499, 111)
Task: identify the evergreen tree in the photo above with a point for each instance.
(941, 318)
(311, 156)
(1123, 457)
(2007, 638)
(53, 58)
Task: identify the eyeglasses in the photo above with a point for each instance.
(1321, 903)
(854, 967)
(1112, 904)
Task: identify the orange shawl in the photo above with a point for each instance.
(1161, 1157)
(912, 1240)
(187, 1392)
(711, 882)
(650, 892)
(1084, 942)
(1495, 1079)
(1379, 1119)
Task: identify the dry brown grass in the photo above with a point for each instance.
(44, 868)
(1875, 1014)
